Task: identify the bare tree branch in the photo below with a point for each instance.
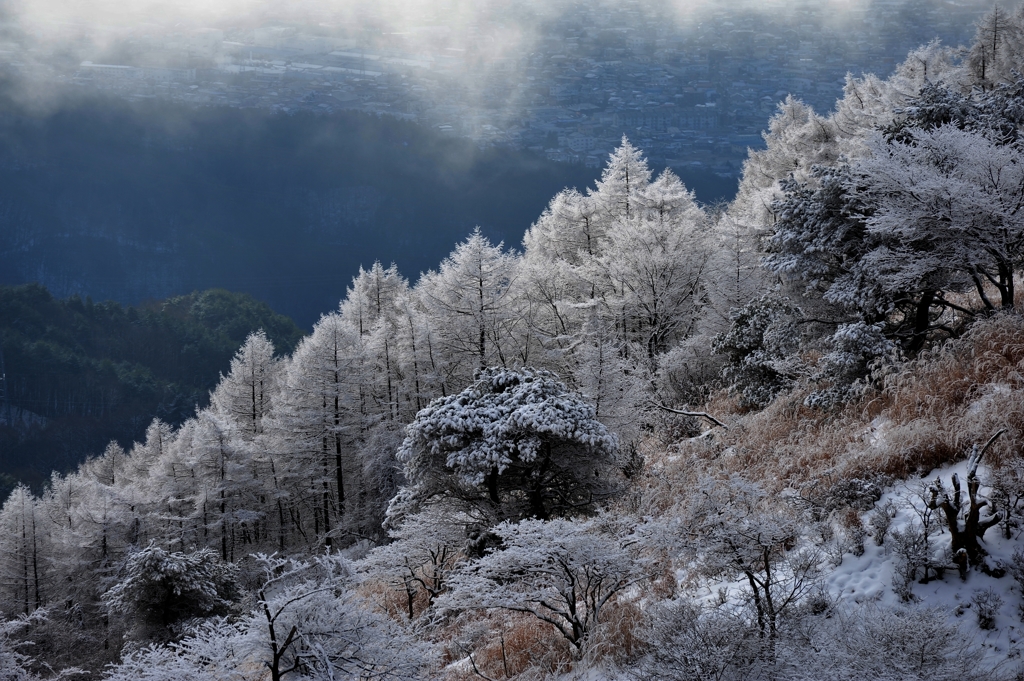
(700, 414)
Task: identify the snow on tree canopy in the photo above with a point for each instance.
(504, 415)
(519, 431)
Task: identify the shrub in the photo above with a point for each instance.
(986, 605)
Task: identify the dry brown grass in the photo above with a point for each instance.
(927, 416)
(617, 638)
(392, 600)
(515, 645)
(956, 396)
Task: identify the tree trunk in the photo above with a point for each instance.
(922, 322)
(492, 486)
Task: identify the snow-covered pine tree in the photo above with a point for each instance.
(514, 444)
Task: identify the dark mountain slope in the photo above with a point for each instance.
(79, 374)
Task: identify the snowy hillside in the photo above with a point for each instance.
(777, 440)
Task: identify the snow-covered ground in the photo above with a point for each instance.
(870, 577)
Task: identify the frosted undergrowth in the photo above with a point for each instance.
(872, 577)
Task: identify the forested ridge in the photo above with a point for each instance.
(79, 374)
(780, 439)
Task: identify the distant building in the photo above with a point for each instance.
(636, 42)
(579, 143)
(109, 71)
(164, 75)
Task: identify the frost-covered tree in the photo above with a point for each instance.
(655, 266)
(244, 395)
(416, 342)
(613, 280)
(560, 248)
(370, 306)
(424, 550)
(159, 589)
(318, 420)
(693, 641)
(948, 209)
(852, 352)
(572, 227)
(849, 643)
(742, 533)
(515, 443)
(798, 139)
(820, 237)
(934, 211)
(760, 348)
(614, 375)
(623, 180)
(997, 113)
(562, 572)
(15, 663)
(225, 484)
(998, 48)
(735, 276)
(90, 522)
(22, 554)
(472, 307)
(307, 623)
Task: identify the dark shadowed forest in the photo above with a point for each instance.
(79, 374)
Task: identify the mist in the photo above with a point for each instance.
(547, 88)
(471, 39)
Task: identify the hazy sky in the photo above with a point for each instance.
(71, 30)
(58, 17)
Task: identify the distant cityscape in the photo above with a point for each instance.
(694, 94)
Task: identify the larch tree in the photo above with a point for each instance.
(735, 276)
(657, 264)
(90, 524)
(244, 394)
(417, 347)
(798, 139)
(319, 417)
(998, 47)
(623, 181)
(612, 374)
(472, 304)
(225, 486)
(22, 568)
(560, 247)
(370, 306)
